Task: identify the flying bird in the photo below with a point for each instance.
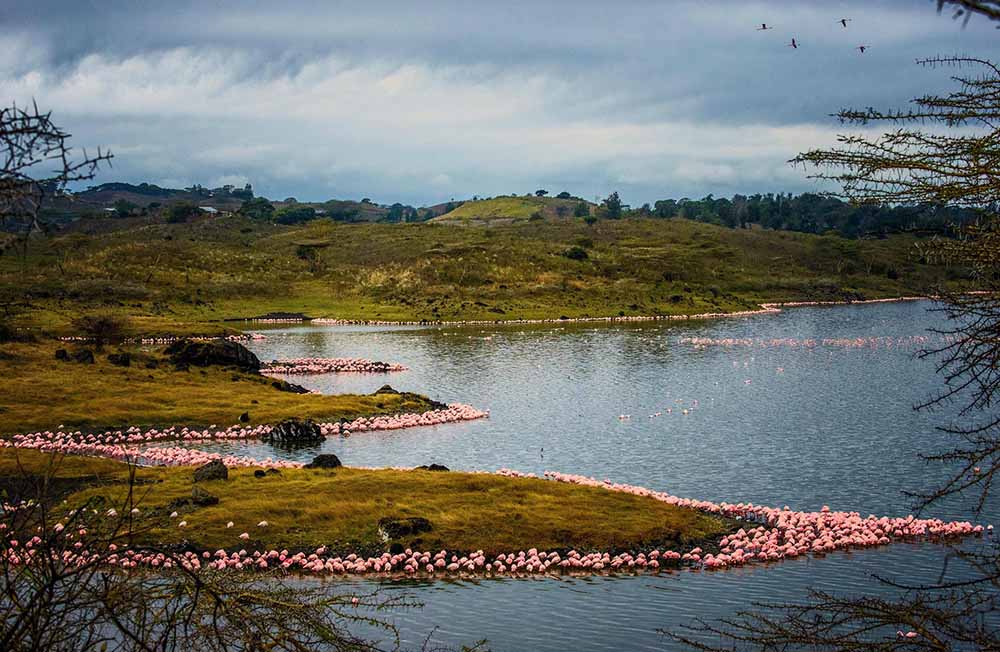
(794, 44)
(862, 48)
(844, 21)
(764, 26)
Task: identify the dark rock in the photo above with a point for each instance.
(214, 470)
(386, 389)
(396, 548)
(433, 467)
(259, 473)
(120, 359)
(202, 498)
(62, 354)
(325, 461)
(84, 356)
(244, 417)
(285, 386)
(295, 432)
(223, 353)
(396, 527)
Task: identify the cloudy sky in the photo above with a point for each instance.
(425, 101)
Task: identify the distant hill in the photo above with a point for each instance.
(509, 210)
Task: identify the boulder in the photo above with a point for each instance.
(295, 432)
(62, 354)
(223, 353)
(285, 386)
(202, 498)
(394, 527)
(84, 356)
(259, 473)
(120, 359)
(386, 389)
(325, 461)
(214, 470)
(244, 417)
(433, 467)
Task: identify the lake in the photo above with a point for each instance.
(809, 407)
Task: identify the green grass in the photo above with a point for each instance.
(509, 209)
(190, 277)
(341, 509)
(41, 393)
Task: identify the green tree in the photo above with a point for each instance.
(181, 212)
(541, 192)
(613, 206)
(257, 209)
(582, 209)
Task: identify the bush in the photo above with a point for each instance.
(576, 253)
(179, 213)
(103, 328)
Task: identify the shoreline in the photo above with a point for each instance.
(765, 534)
(772, 307)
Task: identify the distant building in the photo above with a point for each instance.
(208, 209)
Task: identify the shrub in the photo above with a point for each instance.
(576, 253)
(103, 328)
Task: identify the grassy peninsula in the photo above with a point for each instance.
(340, 508)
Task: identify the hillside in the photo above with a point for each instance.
(174, 277)
(508, 210)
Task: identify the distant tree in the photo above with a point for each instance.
(181, 212)
(244, 194)
(613, 206)
(290, 200)
(564, 195)
(366, 200)
(582, 209)
(295, 214)
(541, 192)
(103, 328)
(257, 209)
(124, 208)
(590, 219)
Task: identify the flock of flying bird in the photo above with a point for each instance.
(795, 44)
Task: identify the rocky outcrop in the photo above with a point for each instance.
(202, 498)
(223, 353)
(214, 470)
(325, 461)
(396, 527)
(433, 467)
(295, 432)
(120, 359)
(84, 356)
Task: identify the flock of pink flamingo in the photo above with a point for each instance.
(135, 444)
(780, 533)
(870, 342)
(330, 366)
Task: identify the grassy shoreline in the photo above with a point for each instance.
(341, 509)
(41, 393)
(173, 279)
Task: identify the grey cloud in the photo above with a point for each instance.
(424, 101)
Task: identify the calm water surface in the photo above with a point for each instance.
(777, 424)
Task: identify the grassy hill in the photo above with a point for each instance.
(173, 277)
(508, 210)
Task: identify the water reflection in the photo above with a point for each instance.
(775, 425)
